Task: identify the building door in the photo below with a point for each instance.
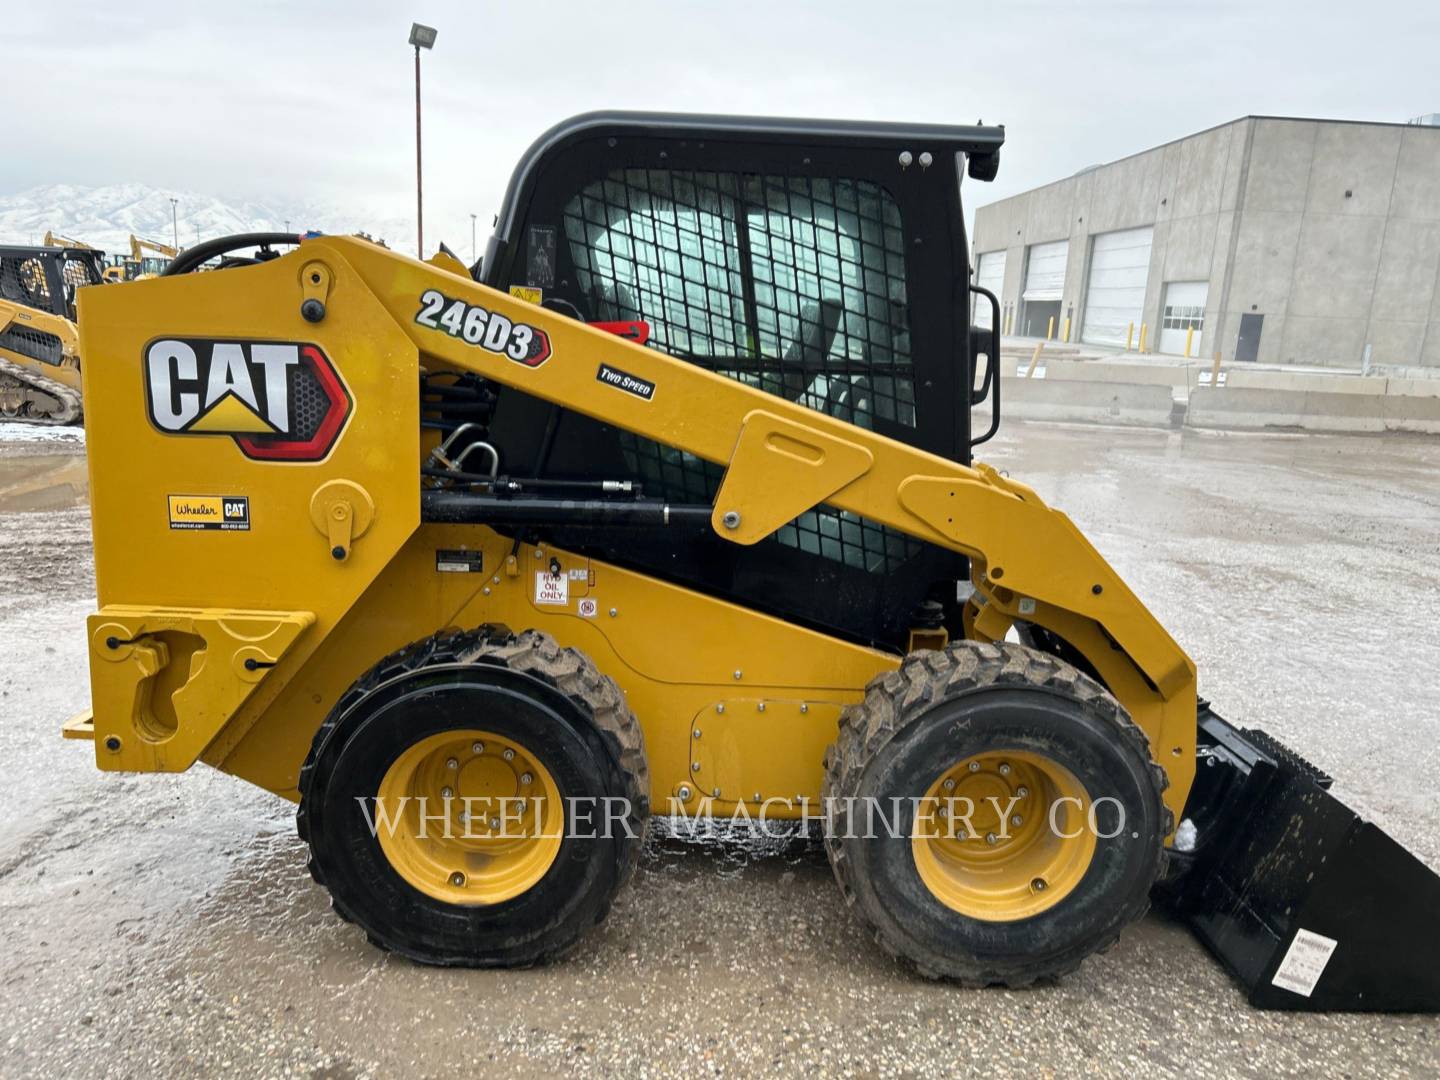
(1184, 311)
(1247, 348)
(989, 274)
(1115, 294)
(1044, 286)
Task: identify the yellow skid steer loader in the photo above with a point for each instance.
(669, 506)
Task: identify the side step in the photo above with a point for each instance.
(1309, 906)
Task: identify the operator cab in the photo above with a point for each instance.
(822, 261)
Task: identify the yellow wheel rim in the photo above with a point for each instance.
(469, 817)
(983, 839)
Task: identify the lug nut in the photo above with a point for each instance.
(509, 754)
(991, 838)
(974, 766)
(447, 793)
(457, 879)
(451, 763)
(949, 785)
(684, 792)
(494, 824)
(1015, 820)
(1004, 769)
(1022, 791)
(1038, 884)
(526, 778)
(477, 748)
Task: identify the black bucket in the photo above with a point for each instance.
(1308, 905)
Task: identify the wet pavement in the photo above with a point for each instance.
(161, 925)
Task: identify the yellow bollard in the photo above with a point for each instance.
(1050, 329)
(1129, 335)
(1142, 337)
(1034, 360)
(1189, 340)
(1215, 371)
(1066, 335)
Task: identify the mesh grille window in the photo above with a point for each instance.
(795, 285)
(36, 344)
(24, 280)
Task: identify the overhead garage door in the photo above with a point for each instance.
(990, 274)
(1045, 271)
(1115, 297)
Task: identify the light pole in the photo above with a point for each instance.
(175, 222)
(472, 239)
(422, 37)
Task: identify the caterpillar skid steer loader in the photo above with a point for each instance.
(39, 345)
(669, 507)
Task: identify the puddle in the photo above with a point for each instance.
(43, 482)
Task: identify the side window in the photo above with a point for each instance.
(795, 285)
(25, 280)
(792, 284)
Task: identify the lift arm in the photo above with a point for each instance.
(782, 459)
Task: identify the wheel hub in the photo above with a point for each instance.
(477, 818)
(1003, 835)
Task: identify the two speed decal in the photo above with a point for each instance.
(488, 330)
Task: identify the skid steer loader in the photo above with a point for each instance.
(669, 506)
(39, 345)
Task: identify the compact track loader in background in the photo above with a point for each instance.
(672, 509)
(39, 345)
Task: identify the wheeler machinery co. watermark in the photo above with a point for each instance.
(868, 818)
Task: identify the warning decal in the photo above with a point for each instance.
(226, 513)
(1304, 962)
(552, 588)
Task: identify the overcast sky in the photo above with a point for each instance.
(297, 103)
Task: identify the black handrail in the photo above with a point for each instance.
(200, 254)
(992, 368)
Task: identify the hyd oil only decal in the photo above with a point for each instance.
(488, 330)
(224, 513)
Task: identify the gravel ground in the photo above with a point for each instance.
(158, 926)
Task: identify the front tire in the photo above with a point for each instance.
(407, 782)
(999, 898)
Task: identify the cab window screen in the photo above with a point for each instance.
(795, 285)
(792, 284)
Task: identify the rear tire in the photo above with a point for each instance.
(1005, 719)
(532, 712)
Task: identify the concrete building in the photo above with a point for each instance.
(1268, 239)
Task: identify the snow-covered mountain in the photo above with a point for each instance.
(105, 217)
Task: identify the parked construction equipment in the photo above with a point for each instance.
(39, 345)
(146, 259)
(672, 507)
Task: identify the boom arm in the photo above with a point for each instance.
(782, 459)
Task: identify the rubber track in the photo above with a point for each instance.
(926, 678)
(533, 653)
(69, 399)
